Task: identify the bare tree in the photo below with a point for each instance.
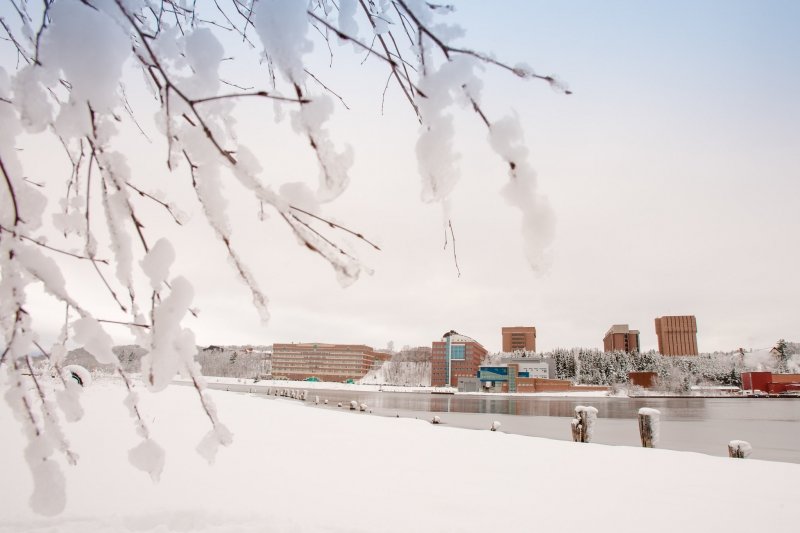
(69, 80)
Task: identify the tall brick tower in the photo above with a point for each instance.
(677, 335)
(519, 338)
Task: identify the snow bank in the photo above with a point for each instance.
(405, 373)
(296, 468)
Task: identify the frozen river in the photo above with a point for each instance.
(705, 425)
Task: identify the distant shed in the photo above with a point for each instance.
(646, 380)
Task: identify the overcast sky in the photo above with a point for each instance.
(673, 171)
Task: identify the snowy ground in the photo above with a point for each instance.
(298, 468)
(263, 385)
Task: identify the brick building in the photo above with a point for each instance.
(677, 335)
(770, 383)
(620, 338)
(455, 356)
(327, 362)
(519, 338)
(510, 378)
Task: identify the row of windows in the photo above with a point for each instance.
(317, 366)
(345, 359)
(321, 354)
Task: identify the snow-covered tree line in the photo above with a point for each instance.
(595, 367)
(69, 70)
(235, 362)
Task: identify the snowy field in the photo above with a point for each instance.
(298, 468)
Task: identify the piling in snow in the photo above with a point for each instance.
(362, 407)
(495, 426)
(649, 426)
(436, 420)
(583, 423)
(353, 405)
(739, 449)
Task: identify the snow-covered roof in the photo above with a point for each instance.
(457, 337)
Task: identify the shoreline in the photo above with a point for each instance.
(356, 387)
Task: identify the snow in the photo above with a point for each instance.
(90, 335)
(407, 373)
(78, 32)
(347, 17)
(157, 262)
(282, 26)
(283, 449)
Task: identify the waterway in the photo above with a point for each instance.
(704, 425)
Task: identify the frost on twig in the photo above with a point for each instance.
(69, 83)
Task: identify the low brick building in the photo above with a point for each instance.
(327, 362)
(770, 383)
(646, 380)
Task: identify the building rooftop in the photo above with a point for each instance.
(620, 328)
(457, 337)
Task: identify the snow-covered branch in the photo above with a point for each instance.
(68, 82)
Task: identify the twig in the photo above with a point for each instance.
(17, 218)
(336, 226)
(51, 248)
(153, 198)
(263, 94)
(134, 324)
(327, 88)
(447, 50)
(455, 255)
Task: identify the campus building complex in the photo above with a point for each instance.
(326, 362)
(455, 356)
(519, 338)
(677, 335)
(620, 338)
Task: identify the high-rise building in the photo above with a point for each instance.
(519, 338)
(620, 338)
(327, 362)
(453, 357)
(677, 335)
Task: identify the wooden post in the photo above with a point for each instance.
(583, 423)
(649, 426)
(353, 405)
(739, 449)
(576, 430)
(436, 420)
(495, 426)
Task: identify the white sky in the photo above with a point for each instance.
(673, 170)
